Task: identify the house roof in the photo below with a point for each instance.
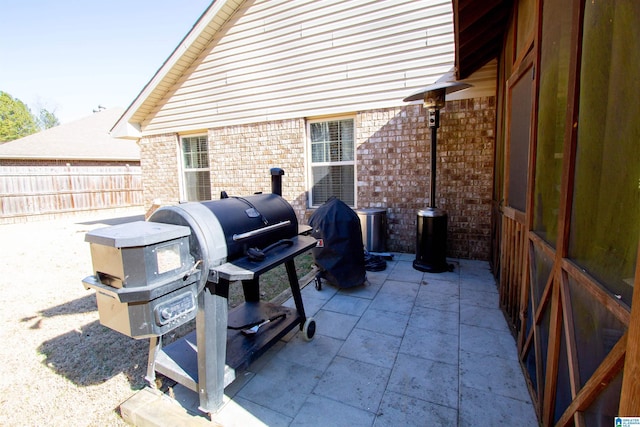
(177, 93)
(478, 27)
(202, 32)
(83, 139)
(478, 39)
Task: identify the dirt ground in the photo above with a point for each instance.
(58, 365)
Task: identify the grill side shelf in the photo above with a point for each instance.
(245, 269)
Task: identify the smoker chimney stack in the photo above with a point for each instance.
(276, 181)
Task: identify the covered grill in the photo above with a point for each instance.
(153, 276)
(340, 251)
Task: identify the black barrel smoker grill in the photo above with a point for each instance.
(153, 276)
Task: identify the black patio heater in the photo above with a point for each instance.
(431, 238)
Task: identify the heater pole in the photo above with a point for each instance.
(432, 202)
(431, 236)
(434, 124)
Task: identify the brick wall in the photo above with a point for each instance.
(393, 167)
(159, 164)
(465, 173)
(241, 157)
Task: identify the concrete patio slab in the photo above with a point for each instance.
(408, 348)
(354, 383)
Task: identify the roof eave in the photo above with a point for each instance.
(70, 158)
(128, 125)
(478, 30)
(123, 129)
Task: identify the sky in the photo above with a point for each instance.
(71, 56)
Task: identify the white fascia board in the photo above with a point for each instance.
(131, 130)
(125, 130)
(69, 158)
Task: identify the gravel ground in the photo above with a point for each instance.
(59, 366)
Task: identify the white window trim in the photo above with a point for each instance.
(310, 164)
(181, 180)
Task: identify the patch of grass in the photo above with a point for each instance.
(274, 282)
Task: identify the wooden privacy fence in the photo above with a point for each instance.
(28, 190)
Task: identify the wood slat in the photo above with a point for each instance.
(596, 290)
(553, 351)
(608, 369)
(630, 394)
(512, 266)
(38, 190)
(569, 330)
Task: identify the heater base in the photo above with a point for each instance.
(431, 241)
(432, 268)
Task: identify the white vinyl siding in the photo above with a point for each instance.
(282, 59)
(182, 57)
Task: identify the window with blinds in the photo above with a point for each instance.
(195, 168)
(332, 161)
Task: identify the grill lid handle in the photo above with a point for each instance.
(262, 230)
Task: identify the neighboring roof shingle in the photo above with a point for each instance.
(84, 139)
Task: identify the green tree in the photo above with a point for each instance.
(47, 119)
(16, 120)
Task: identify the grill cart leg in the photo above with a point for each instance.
(251, 289)
(212, 346)
(307, 325)
(155, 344)
(295, 289)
